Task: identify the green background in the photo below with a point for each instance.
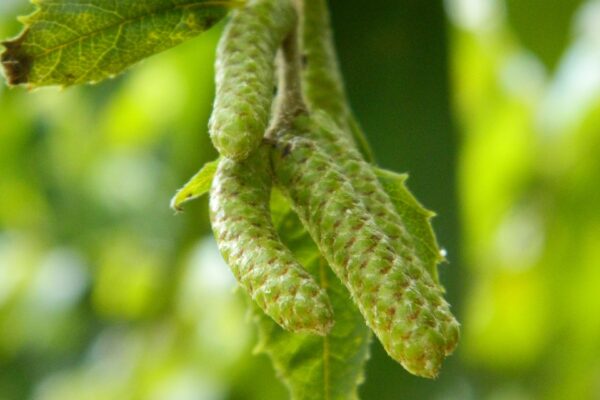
(492, 106)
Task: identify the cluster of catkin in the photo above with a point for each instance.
(304, 145)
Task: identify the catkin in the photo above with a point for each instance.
(245, 75)
(321, 128)
(322, 81)
(398, 298)
(241, 221)
(321, 76)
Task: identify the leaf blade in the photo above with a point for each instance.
(72, 42)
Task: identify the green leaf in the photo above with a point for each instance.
(315, 367)
(197, 186)
(416, 217)
(68, 42)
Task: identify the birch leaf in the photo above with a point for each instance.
(69, 42)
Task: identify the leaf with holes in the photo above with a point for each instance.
(68, 42)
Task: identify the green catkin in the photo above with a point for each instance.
(245, 75)
(241, 221)
(328, 135)
(398, 298)
(322, 82)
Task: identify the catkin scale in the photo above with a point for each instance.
(398, 298)
(241, 221)
(245, 75)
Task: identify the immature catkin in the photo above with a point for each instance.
(322, 81)
(321, 76)
(339, 147)
(245, 75)
(397, 297)
(241, 221)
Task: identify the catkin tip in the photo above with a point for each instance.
(426, 364)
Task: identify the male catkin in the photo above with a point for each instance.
(241, 221)
(321, 77)
(322, 81)
(245, 75)
(321, 128)
(398, 298)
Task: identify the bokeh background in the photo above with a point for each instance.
(493, 106)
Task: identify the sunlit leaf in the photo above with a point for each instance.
(68, 42)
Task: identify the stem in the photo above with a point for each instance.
(290, 102)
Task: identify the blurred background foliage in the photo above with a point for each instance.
(492, 106)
